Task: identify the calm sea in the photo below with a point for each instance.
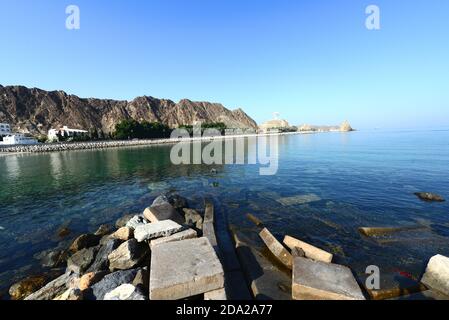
(328, 185)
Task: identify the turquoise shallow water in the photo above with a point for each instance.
(346, 181)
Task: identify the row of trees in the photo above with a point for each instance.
(220, 126)
(132, 129)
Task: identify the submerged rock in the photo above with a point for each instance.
(63, 232)
(159, 201)
(428, 196)
(26, 287)
(125, 292)
(52, 258)
(110, 282)
(177, 201)
(128, 255)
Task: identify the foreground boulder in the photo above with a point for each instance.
(125, 292)
(52, 289)
(103, 230)
(84, 241)
(91, 278)
(80, 261)
(316, 280)
(109, 283)
(71, 295)
(155, 230)
(436, 276)
(183, 269)
(162, 212)
(101, 262)
(26, 287)
(428, 196)
(128, 255)
(124, 233)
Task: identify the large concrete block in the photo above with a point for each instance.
(316, 280)
(276, 248)
(156, 230)
(162, 212)
(183, 269)
(436, 276)
(219, 295)
(183, 235)
(310, 251)
(424, 295)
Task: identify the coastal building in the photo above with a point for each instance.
(5, 129)
(18, 139)
(54, 134)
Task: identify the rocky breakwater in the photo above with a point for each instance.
(160, 254)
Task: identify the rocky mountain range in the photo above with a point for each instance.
(35, 111)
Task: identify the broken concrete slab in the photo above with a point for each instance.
(183, 235)
(156, 230)
(300, 199)
(395, 285)
(310, 251)
(209, 233)
(209, 214)
(162, 212)
(136, 221)
(265, 280)
(436, 276)
(276, 248)
(316, 280)
(219, 295)
(373, 232)
(183, 269)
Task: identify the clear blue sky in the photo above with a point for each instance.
(313, 61)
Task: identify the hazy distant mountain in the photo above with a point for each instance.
(35, 110)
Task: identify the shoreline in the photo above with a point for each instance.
(97, 145)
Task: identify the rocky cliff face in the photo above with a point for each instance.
(36, 111)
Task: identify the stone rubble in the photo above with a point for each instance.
(151, 256)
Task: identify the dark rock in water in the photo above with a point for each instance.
(101, 262)
(27, 286)
(177, 201)
(121, 222)
(428, 196)
(193, 218)
(103, 230)
(52, 258)
(81, 260)
(142, 279)
(84, 241)
(109, 283)
(63, 232)
(128, 255)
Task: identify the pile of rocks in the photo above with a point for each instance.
(155, 255)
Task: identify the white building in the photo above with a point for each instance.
(53, 134)
(5, 129)
(18, 139)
